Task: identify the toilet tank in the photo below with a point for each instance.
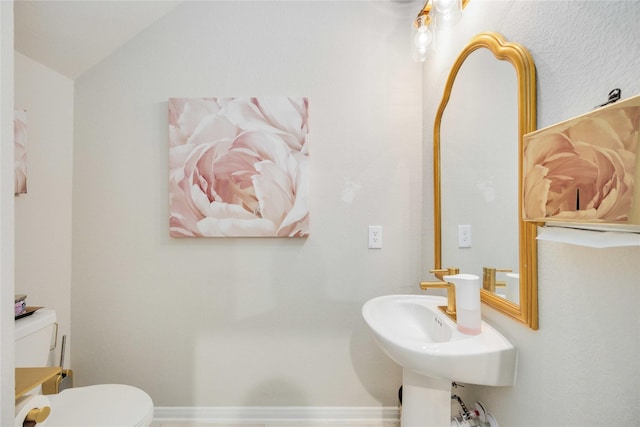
(35, 338)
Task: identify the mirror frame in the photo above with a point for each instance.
(527, 311)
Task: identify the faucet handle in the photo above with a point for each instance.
(441, 272)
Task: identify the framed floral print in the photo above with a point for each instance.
(20, 150)
(239, 167)
(585, 170)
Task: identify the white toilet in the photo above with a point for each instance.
(105, 405)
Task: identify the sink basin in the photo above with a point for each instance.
(415, 334)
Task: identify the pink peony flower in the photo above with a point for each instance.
(20, 151)
(585, 170)
(238, 167)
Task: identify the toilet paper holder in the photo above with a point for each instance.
(36, 416)
(58, 383)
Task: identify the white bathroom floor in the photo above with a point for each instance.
(207, 424)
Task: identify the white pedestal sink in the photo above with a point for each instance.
(415, 334)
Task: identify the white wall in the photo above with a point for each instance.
(43, 215)
(248, 322)
(581, 367)
(7, 390)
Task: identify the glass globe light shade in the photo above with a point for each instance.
(421, 40)
(448, 12)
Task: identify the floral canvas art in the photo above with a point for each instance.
(20, 150)
(239, 167)
(585, 169)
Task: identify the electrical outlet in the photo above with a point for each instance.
(464, 236)
(375, 237)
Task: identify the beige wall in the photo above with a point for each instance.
(43, 215)
(248, 322)
(7, 391)
(581, 367)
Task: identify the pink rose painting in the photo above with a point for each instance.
(20, 150)
(239, 167)
(584, 169)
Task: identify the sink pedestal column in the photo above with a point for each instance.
(426, 401)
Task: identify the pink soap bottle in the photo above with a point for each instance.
(467, 288)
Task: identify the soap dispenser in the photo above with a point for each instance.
(467, 288)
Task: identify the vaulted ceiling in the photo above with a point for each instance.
(71, 36)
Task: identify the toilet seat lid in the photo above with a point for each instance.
(105, 405)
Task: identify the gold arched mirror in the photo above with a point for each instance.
(489, 103)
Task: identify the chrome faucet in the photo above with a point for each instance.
(450, 308)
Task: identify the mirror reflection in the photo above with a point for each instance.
(487, 107)
(479, 173)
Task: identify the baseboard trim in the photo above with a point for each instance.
(277, 414)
